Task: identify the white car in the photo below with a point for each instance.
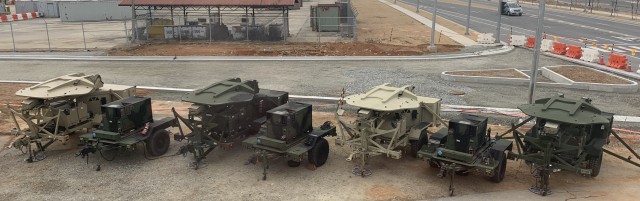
(511, 8)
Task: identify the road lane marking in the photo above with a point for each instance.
(614, 49)
(600, 49)
(621, 47)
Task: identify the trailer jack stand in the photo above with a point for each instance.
(451, 188)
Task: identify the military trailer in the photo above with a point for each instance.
(567, 134)
(388, 119)
(59, 107)
(126, 123)
(466, 147)
(290, 134)
(223, 113)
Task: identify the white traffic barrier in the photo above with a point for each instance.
(518, 40)
(590, 55)
(486, 38)
(546, 45)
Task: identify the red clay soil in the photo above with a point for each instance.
(279, 49)
(584, 74)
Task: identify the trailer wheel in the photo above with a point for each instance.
(502, 166)
(319, 153)
(158, 143)
(594, 164)
(292, 163)
(416, 145)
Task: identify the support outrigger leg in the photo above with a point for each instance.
(451, 188)
(38, 154)
(542, 175)
(264, 161)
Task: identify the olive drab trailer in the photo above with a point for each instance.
(126, 123)
(223, 113)
(290, 134)
(60, 106)
(387, 118)
(567, 134)
(466, 147)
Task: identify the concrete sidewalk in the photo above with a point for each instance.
(459, 38)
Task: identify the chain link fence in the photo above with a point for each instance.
(182, 26)
(242, 27)
(51, 34)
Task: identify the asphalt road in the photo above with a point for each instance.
(568, 26)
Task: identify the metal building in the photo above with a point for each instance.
(85, 11)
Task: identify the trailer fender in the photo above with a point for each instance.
(499, 147)
(417, 130)
(156, 126)
(594, 147)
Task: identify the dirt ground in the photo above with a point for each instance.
(278, 49)
(381, 23)
(583, 74)
(227, 175)
(508, 73)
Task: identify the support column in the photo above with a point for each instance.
(499, 21)
(247, 22)
(433, 25)
(134, 26)
(219, 16)
(536, 49)
(209, 26)
(466, 32)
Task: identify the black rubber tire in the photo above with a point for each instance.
(502, 167)
(158, 143)
(519, 14)
(292, 163)
(594, 164)
(416, 145)
(319, 154)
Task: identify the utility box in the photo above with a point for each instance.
(49, 9)
(288, 122)
(325, 18)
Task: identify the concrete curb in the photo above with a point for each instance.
(483, 79)
(563, 82)
(495, 51)
(615, 88)
(592, 65)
